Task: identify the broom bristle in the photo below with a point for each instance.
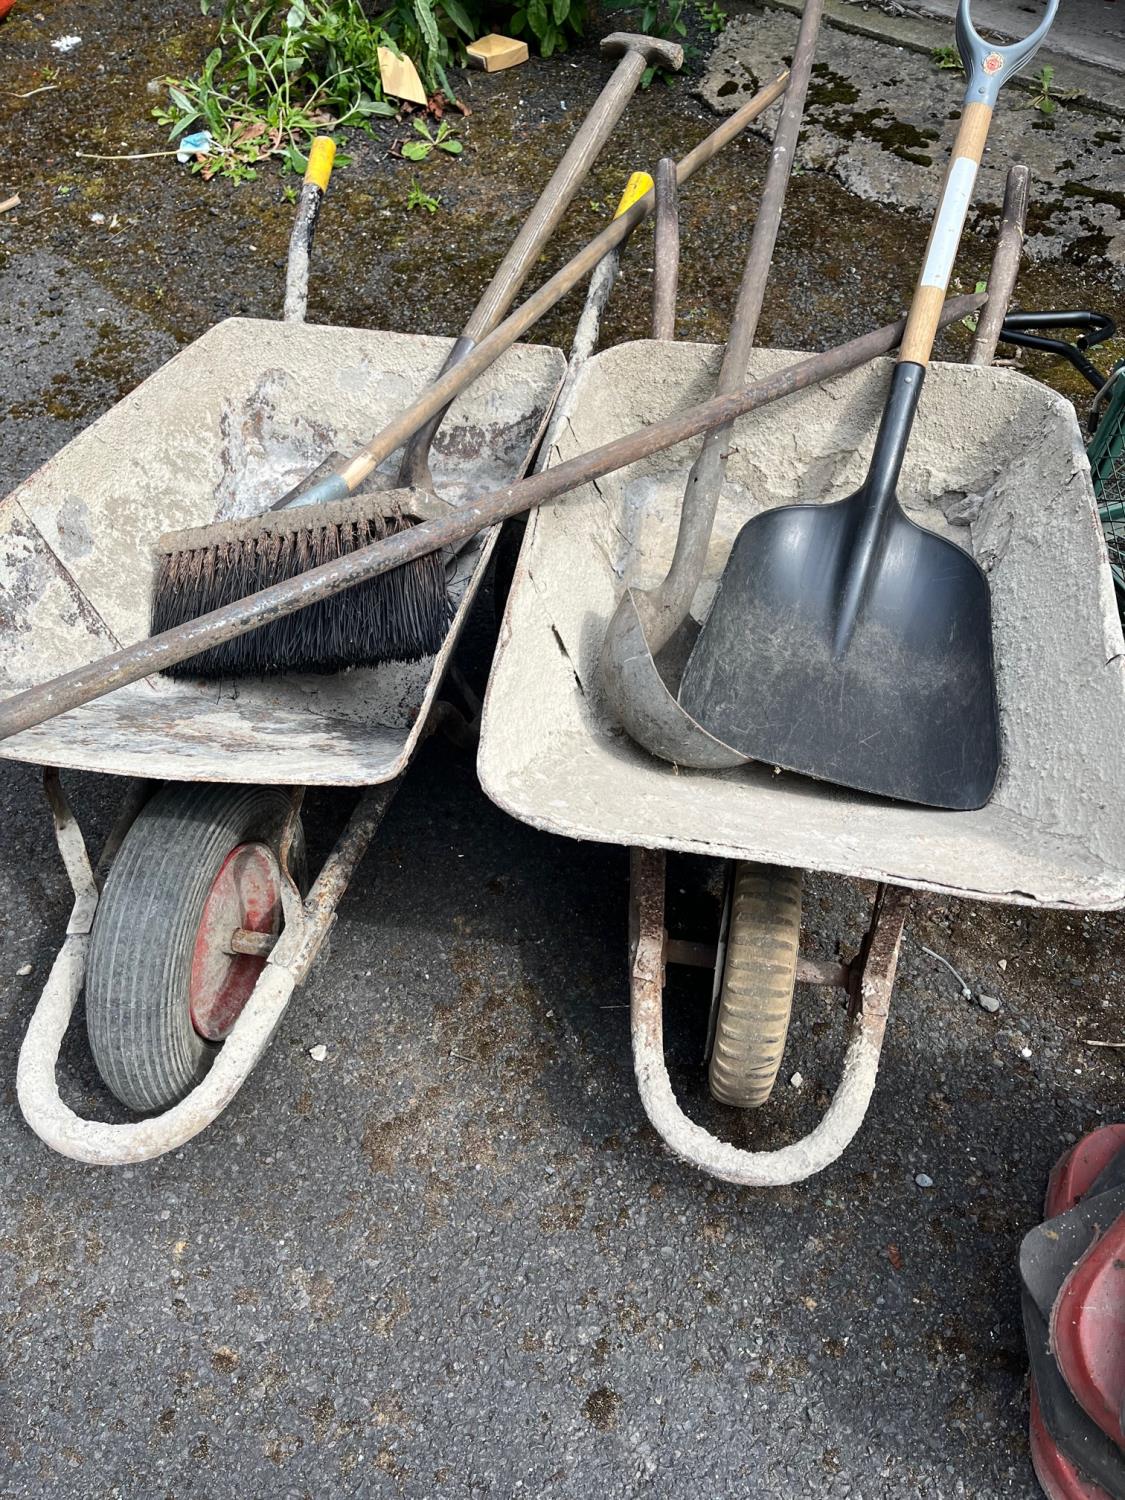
(403, 615)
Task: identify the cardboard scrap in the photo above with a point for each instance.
(494, 52)
(400, 78)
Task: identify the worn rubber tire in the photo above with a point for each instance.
(756, 992)
(137, 1019)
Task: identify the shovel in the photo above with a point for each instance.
(651, 631)
(846, 642)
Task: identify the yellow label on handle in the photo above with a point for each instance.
(638, 185)
(321, 156)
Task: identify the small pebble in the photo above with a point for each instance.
(796, 1081)
(988, 1003)
(319, 1052)
(924, 1180)
(1025, 1053)
(1003, 963)
(24, 970)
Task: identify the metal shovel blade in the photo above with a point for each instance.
(902, 704)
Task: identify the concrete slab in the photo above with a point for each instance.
(1089, 31)
(882, 121)
(1099, 84)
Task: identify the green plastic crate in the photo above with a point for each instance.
(1107, 463)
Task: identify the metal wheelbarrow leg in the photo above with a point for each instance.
(306, 926)
(869, 981)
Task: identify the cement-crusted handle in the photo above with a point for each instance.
(322, 154)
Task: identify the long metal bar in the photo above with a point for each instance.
(72, 689)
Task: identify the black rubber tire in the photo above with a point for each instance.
(137, 1019)
(755, 997)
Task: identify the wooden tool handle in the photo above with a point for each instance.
(36, 705)
(945, 236)
(567, 178)
(1005, 266)
(317, 172)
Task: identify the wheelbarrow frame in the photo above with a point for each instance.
(575, 775)
(867, 981)
(306, 922)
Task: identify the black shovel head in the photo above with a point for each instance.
(904, 707)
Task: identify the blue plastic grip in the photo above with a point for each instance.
(989, 67)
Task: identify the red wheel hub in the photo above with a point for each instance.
(246, 894)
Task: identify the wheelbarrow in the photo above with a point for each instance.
(209, 902)
(1014, 489)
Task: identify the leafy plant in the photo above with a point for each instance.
(1047, 97)
(443, 141)
(550, 22)
(419, 199)
(712, 16)
(280, 75)
(947, 57)
(664, 18)
(1042, 100)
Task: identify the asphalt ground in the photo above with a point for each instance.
(452, 1259)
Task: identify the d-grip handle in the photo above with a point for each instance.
(987, 67)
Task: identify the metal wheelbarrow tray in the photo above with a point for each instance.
(999, 467)
(234, 420)
(219, 432)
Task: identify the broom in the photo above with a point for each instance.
(399, 616)
(208, 565)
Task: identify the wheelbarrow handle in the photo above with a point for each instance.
(988, 66)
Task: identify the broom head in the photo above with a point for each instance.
(402, 615)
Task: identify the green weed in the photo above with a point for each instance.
(443, 141)
(416, 198)
(947, 57)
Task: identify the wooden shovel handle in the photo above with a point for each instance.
(945, 236)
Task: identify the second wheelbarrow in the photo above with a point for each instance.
(1014, 489)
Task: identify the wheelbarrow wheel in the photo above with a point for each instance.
(163, 988)
(754, 996)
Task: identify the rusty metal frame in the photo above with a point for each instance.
(307, 925)
(868, 982)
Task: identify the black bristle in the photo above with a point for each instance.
(403, 615)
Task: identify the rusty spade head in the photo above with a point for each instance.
(656, 52)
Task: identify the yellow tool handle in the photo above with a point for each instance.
(322, 154)
(638, 185)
